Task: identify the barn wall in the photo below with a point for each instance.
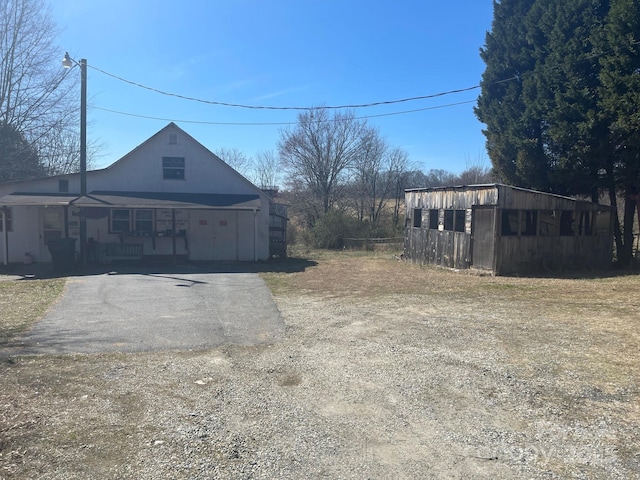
(552, 254)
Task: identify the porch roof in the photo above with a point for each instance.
(136, 200)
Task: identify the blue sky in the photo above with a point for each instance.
(283, 53)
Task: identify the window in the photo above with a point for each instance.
(8, 219)
(173, 168)
(528, 223)
(173, 139)
(120, 220)
(143, 221)
(417, 217)
(567, 223)
(509, 223)
(549, 223)
(434, 219)
(63, 186)
(448, 219)
(459, 220)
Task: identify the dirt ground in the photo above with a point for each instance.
(387, 371)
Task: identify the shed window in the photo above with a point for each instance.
(434, 219)
(63, 186)
(459, 220)
(448, 219)
(549, 223)
(417, 217)
(8, 219)
(173, 168)
(509, 223)
(529, 222)
(567, 223)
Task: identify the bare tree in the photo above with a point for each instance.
(318, 150)
(477, 171)
(235, 159)
(267, 169)
(397, 168)
(367, 174)
(37, 98)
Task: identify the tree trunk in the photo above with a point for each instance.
(625, 256)
(617, 232)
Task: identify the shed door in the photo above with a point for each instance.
(483, 237)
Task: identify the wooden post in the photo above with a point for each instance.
(173, 229)
(6, 235)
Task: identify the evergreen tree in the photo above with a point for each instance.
(18, 159)
(620, 104)
(560, 98)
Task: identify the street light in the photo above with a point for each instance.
(68, 62)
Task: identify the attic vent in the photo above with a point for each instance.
(173, 139)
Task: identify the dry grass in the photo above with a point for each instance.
(586, 331)
(24, 301)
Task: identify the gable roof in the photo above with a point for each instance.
(34, 191)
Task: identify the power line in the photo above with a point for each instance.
(333, 107)
(265, 107)
(203, 122)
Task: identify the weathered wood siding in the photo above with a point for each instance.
(458, 199)
(523, 255)
(482, 244)
(432, 247)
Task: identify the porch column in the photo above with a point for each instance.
(173, 229)
(6, 235)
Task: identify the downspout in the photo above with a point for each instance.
(6, 236)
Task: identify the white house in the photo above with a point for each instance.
(169, 197)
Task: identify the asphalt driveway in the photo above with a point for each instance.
(135, 312)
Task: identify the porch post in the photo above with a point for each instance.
(6, 236)
(173, 229)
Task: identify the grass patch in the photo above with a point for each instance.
(24, 301)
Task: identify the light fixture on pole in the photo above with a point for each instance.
(68, 62)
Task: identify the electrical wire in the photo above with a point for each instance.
(266, 107)
(331, 107)
(204, 122)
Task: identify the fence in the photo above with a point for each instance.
(390, 243)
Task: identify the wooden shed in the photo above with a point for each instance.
(505, 230)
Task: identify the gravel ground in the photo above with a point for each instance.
(389, 386)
